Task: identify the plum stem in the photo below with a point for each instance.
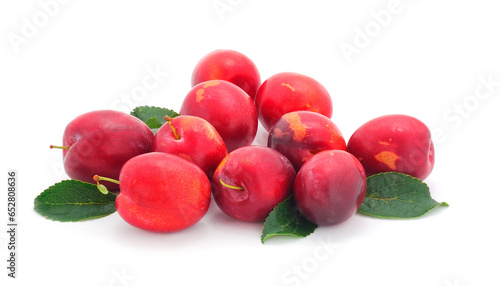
(99, 178)
(59, 147)
(103, 188)
(229, 186)
(169, 120)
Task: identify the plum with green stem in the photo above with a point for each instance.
(161, 192)
(100, 142)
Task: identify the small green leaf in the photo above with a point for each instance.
(73, 200)
(285, 219)
(153, 116)
(102, 189)
(154, 122)
(396, 195)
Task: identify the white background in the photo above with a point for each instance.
(428, 59)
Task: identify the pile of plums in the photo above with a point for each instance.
(167, 179)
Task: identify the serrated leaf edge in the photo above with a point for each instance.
(104, 204)
(396, 217)
(151, 120)
(265, 237)
(444, 204)
(138, 109)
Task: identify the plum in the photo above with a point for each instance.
(395, 142)
(300, 134)
(228, 65)
(330, 187)
(100, 142)
(227, 107)
(286, 92)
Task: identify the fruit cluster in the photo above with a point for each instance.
(167, 179)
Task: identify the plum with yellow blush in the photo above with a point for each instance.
(394, 143)
(301, 134)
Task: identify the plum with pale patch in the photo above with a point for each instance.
(227, 107)
(286, 92)
(395, 142)
(228, 65)
(300, 134)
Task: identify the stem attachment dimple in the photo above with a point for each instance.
(169, 120)
(229, 186)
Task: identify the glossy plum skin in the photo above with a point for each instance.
(162, 192)
(195, 139)
(286, 92)
(395, 142)
(300, 134)
(330, 187)
(100, 142)
(228, 65)
(265, 175)
(227, 107)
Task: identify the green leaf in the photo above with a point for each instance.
(154, 122)
(285, 219)
(397, 195)
(102, 189)
(153, 116)
(73, 200)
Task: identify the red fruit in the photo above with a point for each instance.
(251, 181)
(286, 92)
(330, 187)
(100, 142)
(398, 143)
(192, 138)
(301, 134)
(227, 107)
(162, 192)
(228, 65)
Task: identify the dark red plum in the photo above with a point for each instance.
(251, 181)
(301, 134)
(100, 142)
(330, 187)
